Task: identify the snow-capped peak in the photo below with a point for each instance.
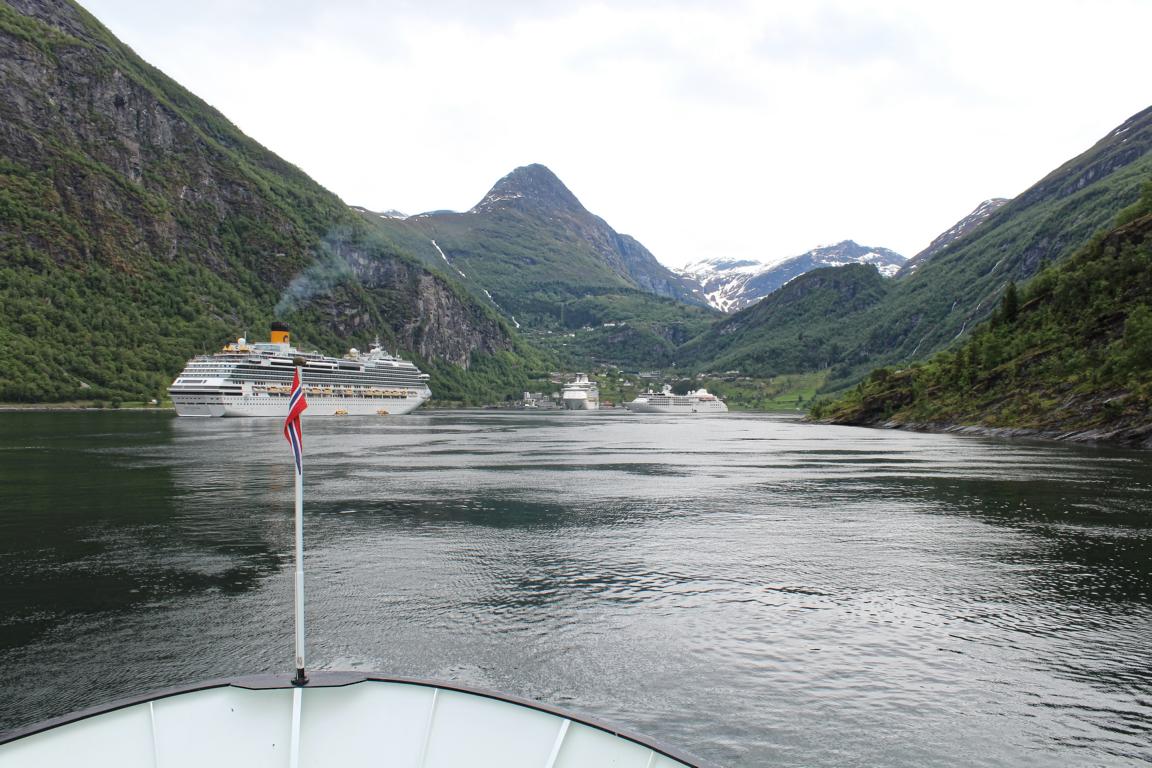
(732, 284)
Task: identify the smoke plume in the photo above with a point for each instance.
(329, 269)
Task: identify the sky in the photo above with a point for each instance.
(713, 129)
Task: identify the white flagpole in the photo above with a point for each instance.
(300, 678)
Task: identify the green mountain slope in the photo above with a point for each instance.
(546, 263)
(1070, 353)
(803, 316)
(138, 227)
(931, 307)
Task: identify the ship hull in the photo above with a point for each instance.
(216, 406)
(713, 406)
(581, 404)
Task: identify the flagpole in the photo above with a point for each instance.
(300, 678)
(295, 436)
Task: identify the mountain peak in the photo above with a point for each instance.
(731, 284)
(530, 187)
(957, 231)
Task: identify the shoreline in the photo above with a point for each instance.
(77, 408)
(1139, 438)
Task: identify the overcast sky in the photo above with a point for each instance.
(704, 129)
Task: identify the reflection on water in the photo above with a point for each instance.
(756, 590)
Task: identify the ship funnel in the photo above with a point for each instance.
(279, 333)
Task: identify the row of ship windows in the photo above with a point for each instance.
(288, 370)
(220, 366)
(185, 388)
(185, 399)
(311, 378)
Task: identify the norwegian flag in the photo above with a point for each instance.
(296, 406)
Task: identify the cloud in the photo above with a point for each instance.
(834, 37)
(731, 128)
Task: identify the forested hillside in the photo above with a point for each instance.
(532, 251)
(531, 246)
(801, 317)
(1069, 353)
(956, 287)
(138, 227)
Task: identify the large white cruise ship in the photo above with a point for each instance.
(664, 401)
(581, 394)
(254, 379)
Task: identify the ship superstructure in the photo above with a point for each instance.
(254, 379)
(581, 394)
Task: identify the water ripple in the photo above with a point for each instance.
(757, 590)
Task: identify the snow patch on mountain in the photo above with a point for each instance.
(493, 201)
(389, 214)
(956, 231)
(733, 284)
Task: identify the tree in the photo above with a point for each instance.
(1010, 304)
(1138, 339)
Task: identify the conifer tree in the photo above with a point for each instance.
(1010, 304)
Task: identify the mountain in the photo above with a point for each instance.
(541, 259)
(955, 232)
(138, 226)
(1069, 355)
(731, 285)
(935, 305)
(721, 281)
(531, 245)
(799, 315)
(961, 284)
(389, 214)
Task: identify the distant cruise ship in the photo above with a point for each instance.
(581, 394)
(254, 380)
(664, 401)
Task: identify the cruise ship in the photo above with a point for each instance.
(254, 379)
(700, 401)
(581, 394)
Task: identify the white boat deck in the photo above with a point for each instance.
(350, 720)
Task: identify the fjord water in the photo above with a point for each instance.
(752, 589)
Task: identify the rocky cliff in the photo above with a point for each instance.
(138, 226)
(533, 252)
(535, 191)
